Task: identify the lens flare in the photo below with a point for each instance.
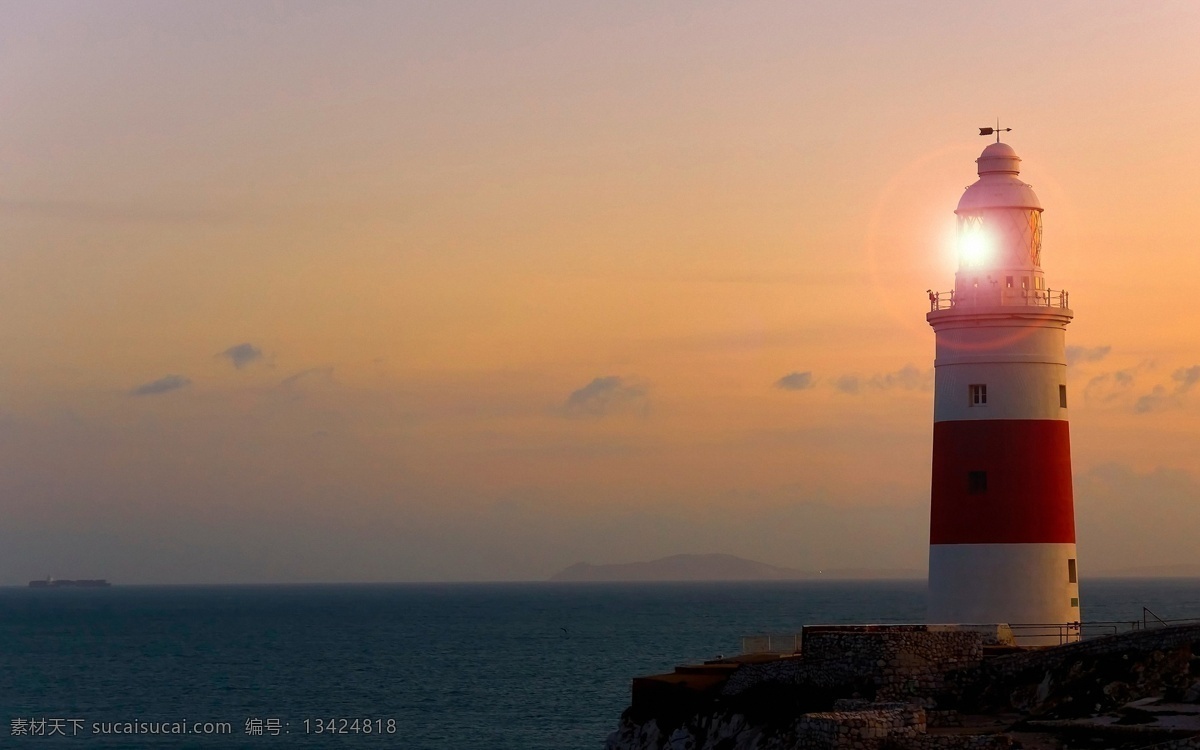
(974, 247)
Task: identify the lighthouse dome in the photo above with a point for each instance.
(998, 186)
(998, 157)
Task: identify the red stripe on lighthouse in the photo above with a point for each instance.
(1021, 489)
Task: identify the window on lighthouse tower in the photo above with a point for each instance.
(978, 394)
(976, 482)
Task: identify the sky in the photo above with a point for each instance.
(354, 291)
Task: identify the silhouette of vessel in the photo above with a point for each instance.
(59, 583)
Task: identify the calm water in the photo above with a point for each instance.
(456, 667)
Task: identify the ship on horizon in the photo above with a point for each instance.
(58, 583)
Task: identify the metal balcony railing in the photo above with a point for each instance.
(993, 297)
(1071, 631)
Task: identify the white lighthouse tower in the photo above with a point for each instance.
(1002, 520)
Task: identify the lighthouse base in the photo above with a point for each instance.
(1019, 584)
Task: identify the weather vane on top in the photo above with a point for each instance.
(997, 130)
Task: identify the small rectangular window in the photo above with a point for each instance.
(1024, 282)
(1074, 601)
(1072, 573)
(978, 395)
(976, 482)
(1062, 397)
(1008, 282)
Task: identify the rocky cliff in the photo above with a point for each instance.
(916, 688)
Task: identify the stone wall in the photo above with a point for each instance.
(864, 727)
(900, 663)
(903, 665)
(950, 742)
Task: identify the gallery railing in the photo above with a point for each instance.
(983, 297)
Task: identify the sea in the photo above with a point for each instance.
(497, 666)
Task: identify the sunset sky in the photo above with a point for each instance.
(399, 291)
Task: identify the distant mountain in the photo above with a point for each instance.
(714, 567)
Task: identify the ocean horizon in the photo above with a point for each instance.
(470, 665)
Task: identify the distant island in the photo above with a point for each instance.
(716, 567)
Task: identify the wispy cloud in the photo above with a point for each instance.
(164, 384)
(1162, 397)
(1080, 354)
(1186, 378)
(848, 383)
(604, 396)
(1113, 386)
(304, 377)
(242, 355)
(310, 383)
(907, 378)
(796, 381)
(1156, 400)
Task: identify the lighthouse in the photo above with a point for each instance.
(1002, 519)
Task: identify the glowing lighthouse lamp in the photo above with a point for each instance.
(1002, 521)
(973, 246)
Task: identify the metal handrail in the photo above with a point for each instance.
(1001, 297)
(1148, 611)
(768, 643)
(1088, 629)
(1065, 632)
